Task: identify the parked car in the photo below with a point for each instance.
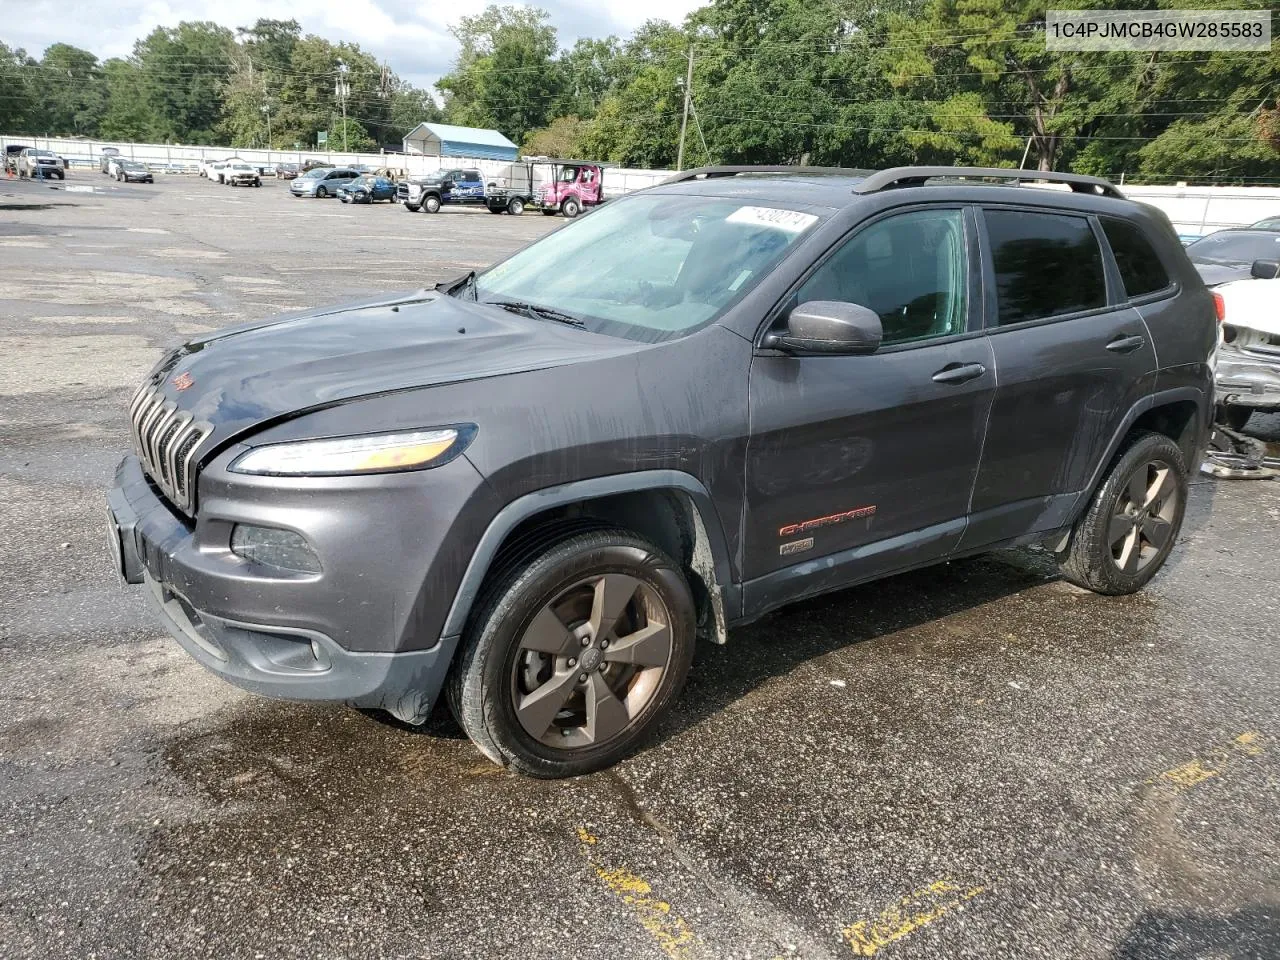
(313, 164)
(11, 154)
(367, 189)
(40, 163)
(241, 174)
(321, 182)
(130, 171)
(1270, 223)
(287, 171)
(781, 384)
(1230, 254)
(578, 185)
(105, 157)
(1248, 370)
(429, 193)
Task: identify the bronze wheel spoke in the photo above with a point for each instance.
(548, 634)
(607, 716)
(538, 709)
(613, 592)
(650, 646)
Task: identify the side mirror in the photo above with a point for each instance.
(1265, 269)
(827, 327)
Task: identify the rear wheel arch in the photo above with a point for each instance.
(1182, 414)
(671, 508)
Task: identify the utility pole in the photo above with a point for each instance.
(684, 122)
(342, 90)
(266, 109)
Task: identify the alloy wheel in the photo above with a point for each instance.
(1143, 517)
(590, 661)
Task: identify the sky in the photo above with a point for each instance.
(413, 37)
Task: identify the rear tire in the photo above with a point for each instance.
(573, 653)
(1133, 520)
(515, 207)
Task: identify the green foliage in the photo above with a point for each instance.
(563, 139)
(867, 83)
(506, 76)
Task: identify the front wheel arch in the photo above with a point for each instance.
(662, 505)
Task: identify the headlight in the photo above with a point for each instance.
(373, 453)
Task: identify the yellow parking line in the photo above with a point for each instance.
(1195, 772)
(672, 934)
(909, 914)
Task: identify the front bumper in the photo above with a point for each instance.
(270, 632)
(1245, 380)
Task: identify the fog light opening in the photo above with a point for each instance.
(272, 547)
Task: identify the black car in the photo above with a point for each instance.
(1230, 254)
(536, 487)
(131, 171)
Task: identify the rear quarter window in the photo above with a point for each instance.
(1140, 268)
(1046, 265)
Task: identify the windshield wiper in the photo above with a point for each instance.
(537, 312)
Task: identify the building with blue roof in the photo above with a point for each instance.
(446, 140)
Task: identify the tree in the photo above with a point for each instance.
(562, 138)
(973, 53)
(184, 71)
(505, 75)
(17, 90)
(129, 115)
(74, 91)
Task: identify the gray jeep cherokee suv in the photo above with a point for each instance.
(534, 487)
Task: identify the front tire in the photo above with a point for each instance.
(431, 205)
(570, 208)
(1133, 520)
(573, 653)
(321, 193)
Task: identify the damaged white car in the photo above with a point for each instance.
(1248, 369)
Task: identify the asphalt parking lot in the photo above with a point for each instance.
(975, 760)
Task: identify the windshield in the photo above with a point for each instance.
(40, 153)
(362, 182)
(1236, 246)
(130, 165)
(650, 267)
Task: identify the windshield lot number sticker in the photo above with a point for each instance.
(792, 221)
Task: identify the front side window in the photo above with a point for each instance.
(1140, 269)
(683, 260)
(1046, 265)
(911, 269)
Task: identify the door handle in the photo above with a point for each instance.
(1123, 344)
(959, 373)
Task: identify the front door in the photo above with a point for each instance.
(860, 465)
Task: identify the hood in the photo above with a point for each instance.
(246, 376)
(1216, 272)
(1253, 304)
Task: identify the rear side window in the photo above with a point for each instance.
(1140, 268)
(1046, 264)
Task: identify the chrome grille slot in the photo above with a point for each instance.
(166, 440)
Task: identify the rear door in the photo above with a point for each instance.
(1072, 358)
(859, 465)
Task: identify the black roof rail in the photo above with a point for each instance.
(710, 173)
(917, 176)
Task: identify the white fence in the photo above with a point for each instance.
(176, 158)
(1194, 210)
